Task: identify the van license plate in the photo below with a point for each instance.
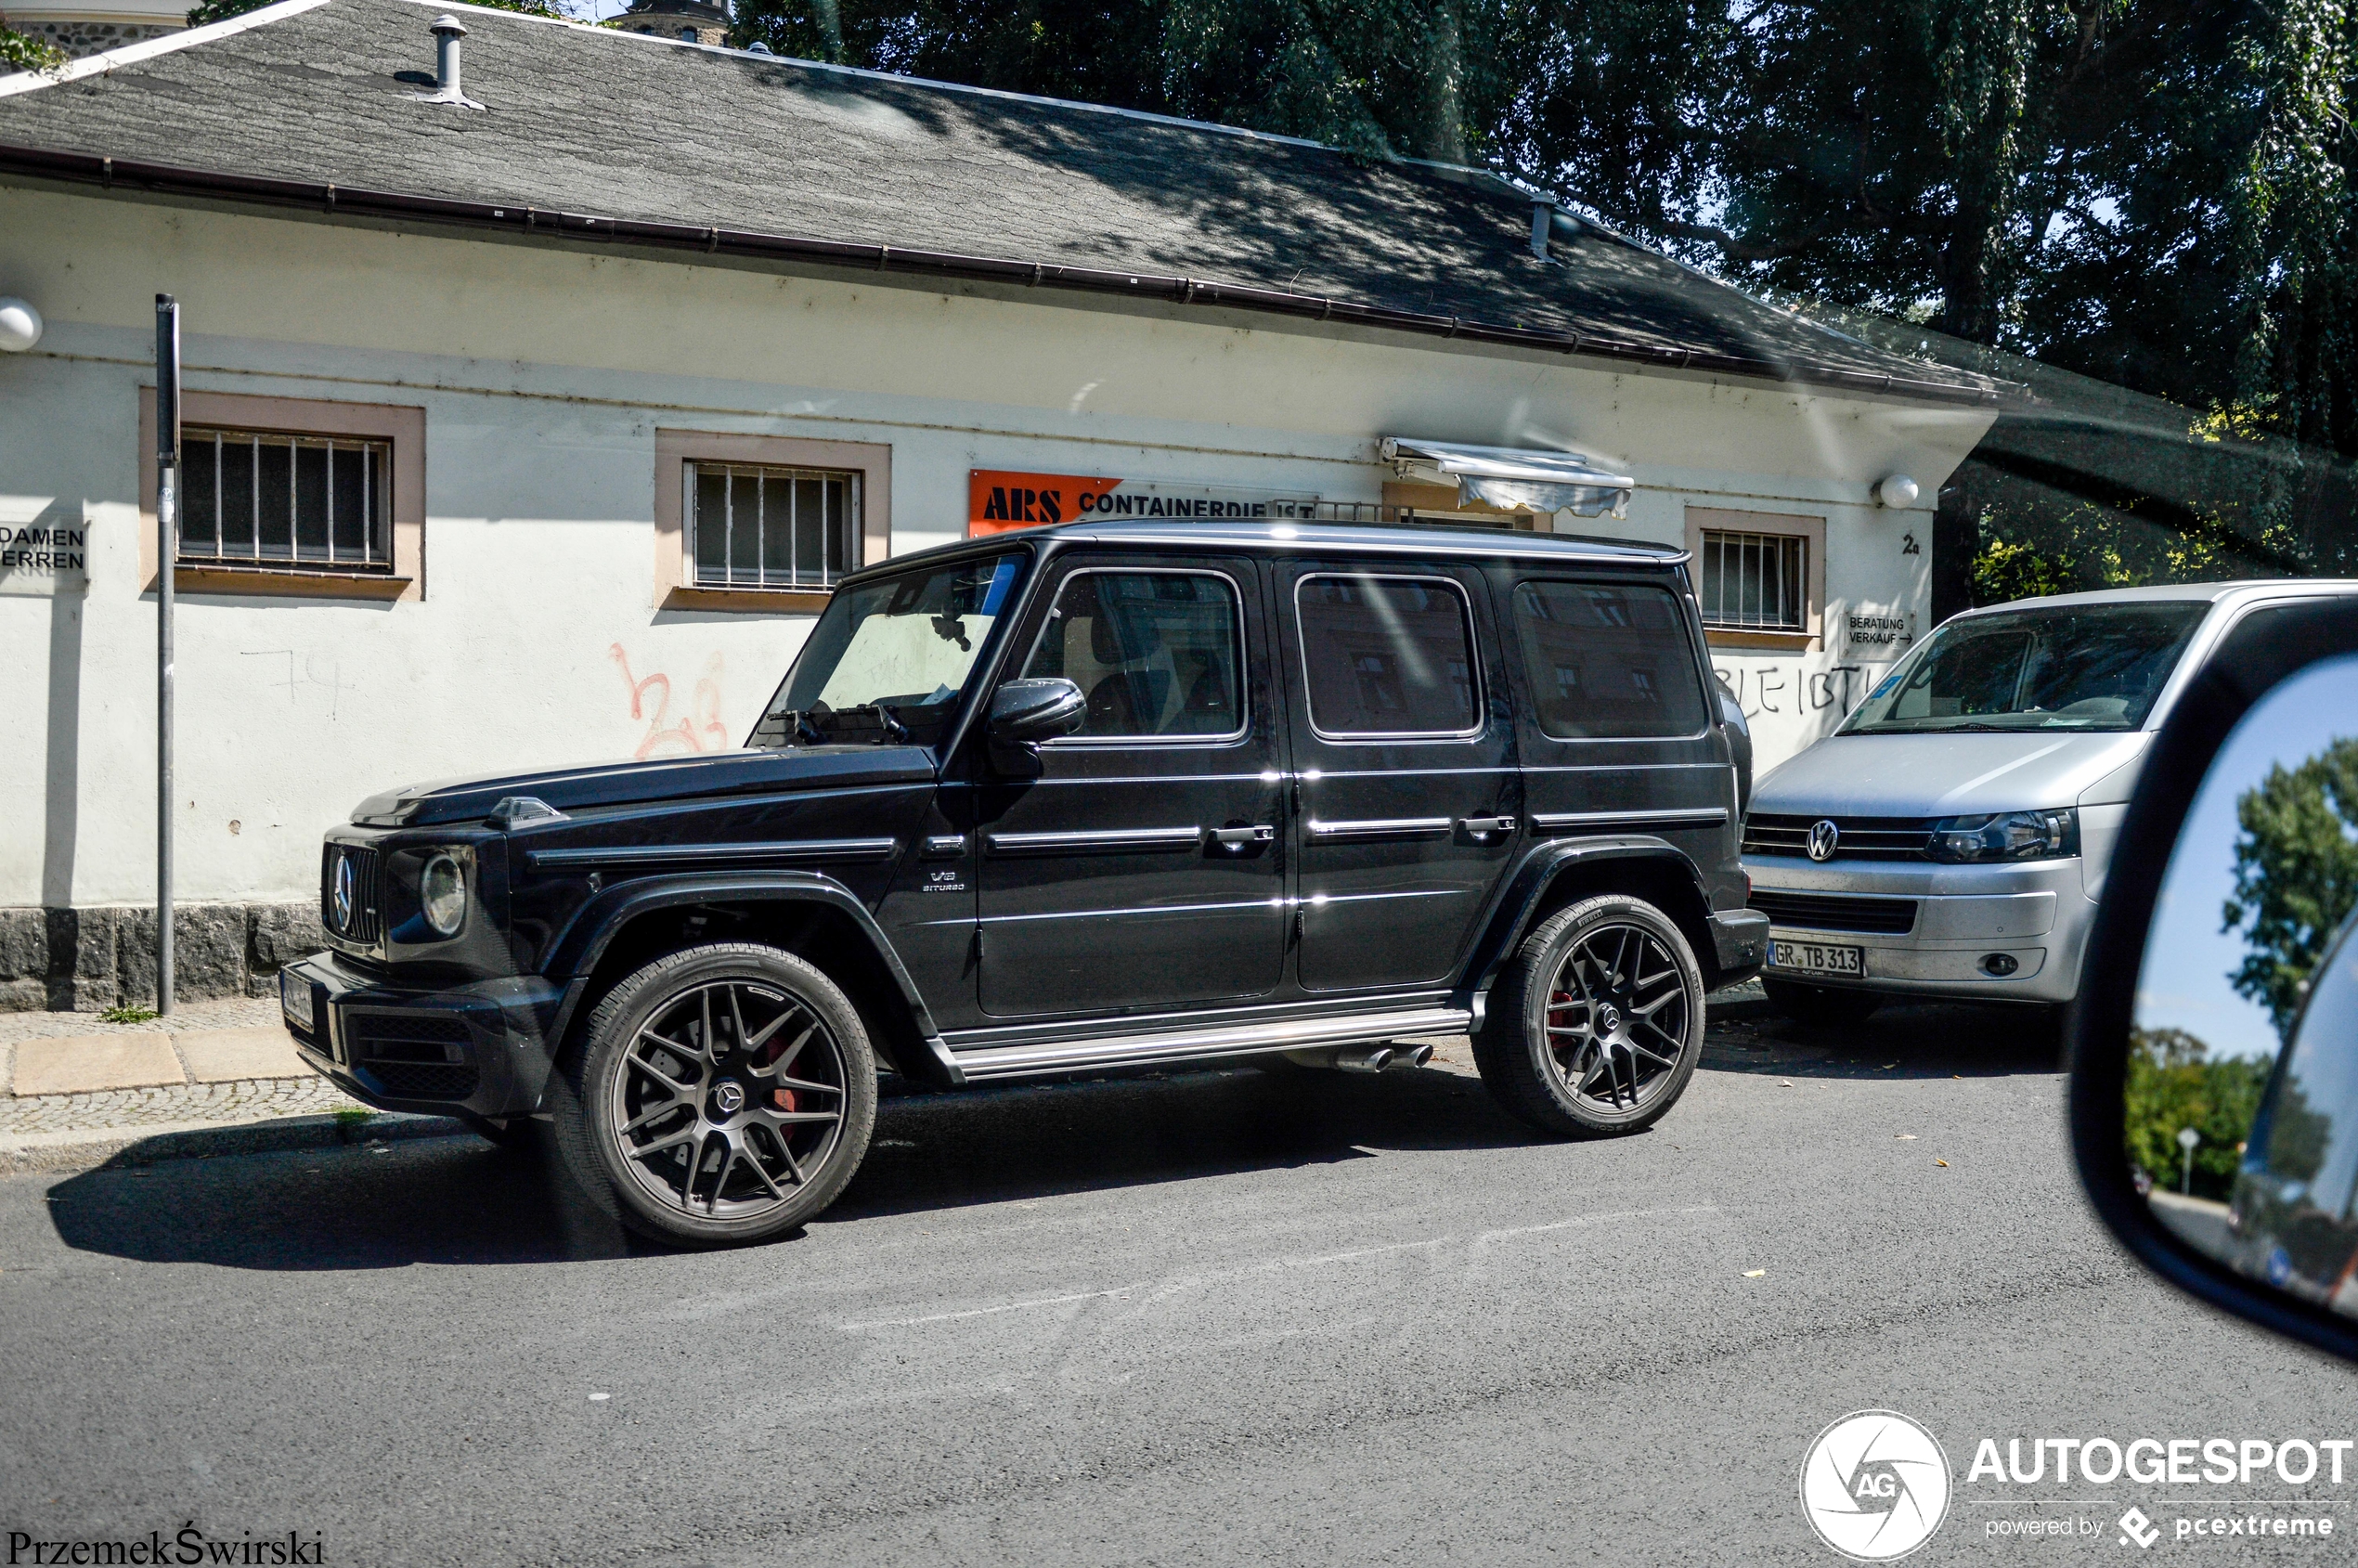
(1818, 958)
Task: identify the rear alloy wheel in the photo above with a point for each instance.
(1823, 1006)
(1595, 1025)
(724, 1095)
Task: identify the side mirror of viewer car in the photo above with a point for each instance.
(1024, 713)
(2214, 1046)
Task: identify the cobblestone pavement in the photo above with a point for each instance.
(249, 1100)
(228, 1012)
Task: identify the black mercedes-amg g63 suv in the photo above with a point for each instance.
(1068, 799)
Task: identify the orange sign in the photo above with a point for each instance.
(998, 501)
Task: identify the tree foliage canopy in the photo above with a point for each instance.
(2174, 1082)
(2156, 192)
(2296, 875)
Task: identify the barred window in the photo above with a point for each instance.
(771, 527)
(1754, 582)
(253, 496)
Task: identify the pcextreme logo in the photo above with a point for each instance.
(1874, 1486)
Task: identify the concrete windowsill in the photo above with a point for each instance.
(748, 601)
(286, 581)
(1783, 641)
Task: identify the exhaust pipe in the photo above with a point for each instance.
(1365, 1059)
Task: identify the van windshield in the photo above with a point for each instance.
(889, 658)
(2087, 667)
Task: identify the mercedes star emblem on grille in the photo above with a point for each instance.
(1823, 836)
(340, 892)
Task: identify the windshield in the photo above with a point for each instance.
(2090, 666)
(897, 652)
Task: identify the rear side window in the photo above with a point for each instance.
(1388, 655)
(1155, 652)
(1607, 663)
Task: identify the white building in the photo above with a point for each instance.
(531, 427)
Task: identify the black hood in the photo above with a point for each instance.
(590, 786)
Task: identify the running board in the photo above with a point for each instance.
(1234, 1040)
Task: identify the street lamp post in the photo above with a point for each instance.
(167, 546)
(2188, 1139)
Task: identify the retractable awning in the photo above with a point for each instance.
(1514, 478)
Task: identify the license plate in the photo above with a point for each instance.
(1818, 958)
(294, 1000)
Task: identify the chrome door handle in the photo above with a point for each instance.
(1481, 827)
(1238, 838)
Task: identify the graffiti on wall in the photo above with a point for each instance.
(697, 726)
(1782, 689)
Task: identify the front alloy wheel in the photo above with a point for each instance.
(1597, 1023)
(726, 1094)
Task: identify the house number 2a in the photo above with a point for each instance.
(1908, 545)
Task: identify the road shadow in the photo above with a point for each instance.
(1743, 1033)
(457, 1200)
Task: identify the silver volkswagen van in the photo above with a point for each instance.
(1951, 838)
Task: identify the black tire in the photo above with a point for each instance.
(732, 1053)
(1821, 1006)
(1538, 1049)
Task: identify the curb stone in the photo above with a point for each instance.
(123, 1148)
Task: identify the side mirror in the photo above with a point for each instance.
(1024, 713)
(2214, 1047)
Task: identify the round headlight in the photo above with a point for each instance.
(442, 892)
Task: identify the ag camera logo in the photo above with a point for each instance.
(1874, 1486)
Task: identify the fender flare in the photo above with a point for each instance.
(574, 956)
(1511, 917)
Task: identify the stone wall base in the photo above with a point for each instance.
(88, 960)
(83, 38)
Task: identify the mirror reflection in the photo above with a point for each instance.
(2242, 1089)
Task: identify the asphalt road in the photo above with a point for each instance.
(1215, 1316)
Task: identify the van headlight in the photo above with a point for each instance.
(442, 895)
(2006, 835)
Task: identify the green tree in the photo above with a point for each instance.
(21, 51)
(222, 10)
(2296, 875)
(2174, 1082)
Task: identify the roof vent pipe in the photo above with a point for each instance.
(1543, 217)
(447, 30)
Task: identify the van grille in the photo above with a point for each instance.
(1860, 839)
(1826, 911)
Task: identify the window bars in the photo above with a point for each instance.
(255, 498)
(771, 527)
(1755, 582)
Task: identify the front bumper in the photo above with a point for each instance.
(2036, 914)
(479, 1049)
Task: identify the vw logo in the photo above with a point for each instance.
(339, 893)
(1823, 836)
(729, 1098)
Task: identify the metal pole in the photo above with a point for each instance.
(167, 546)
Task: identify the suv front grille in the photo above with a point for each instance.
(1828, 912)
(350, 910)
(417, 1080)
(1860, 838)
(416, 1056)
